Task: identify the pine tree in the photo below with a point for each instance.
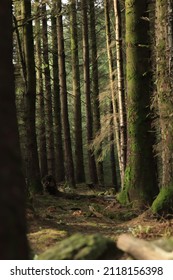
(69, 166)
(48, 95)
(140, 175)
(164, 70)
(95, 87)
(87, 90)
(79, 162)
(14, 245)
(40, 93)
(59, 152)
(32, 164)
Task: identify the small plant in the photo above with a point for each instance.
(141, 231)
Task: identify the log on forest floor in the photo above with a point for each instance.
(138, 249)
(98, 247)
(83, 247)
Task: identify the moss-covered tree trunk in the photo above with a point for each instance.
(83, 247)
(112, 153)
(140, 176)
(164, 78)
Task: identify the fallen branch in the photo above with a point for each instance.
(141, 249)
(99, 215)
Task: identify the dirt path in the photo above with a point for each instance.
(55, 218)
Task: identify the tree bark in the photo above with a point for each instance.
(59, 151)
(41, 112)
(69, 167)
(48, 96)
(112, 84)
(95, 88)
(120, 90)
(163, 202)
(112, 153)
(87, 89)
(79, 162)
(140, 175)
(13, 245)
(32, 164)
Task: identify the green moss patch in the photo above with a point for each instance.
(45, 238)
(164, 202)
(82, 247)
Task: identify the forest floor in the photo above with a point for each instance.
(53, 219)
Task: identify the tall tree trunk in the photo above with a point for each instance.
(120, 90)
(20, 82)
(86, 65)
(33, 172)
(164, 36)
(140, 176)
(41, 113)
(13, 245)
(112, 83)
(170, 36)
(48, 96)
(59, 153)
(69, 167)
(79, 162)
(112, 153)
(95, 87)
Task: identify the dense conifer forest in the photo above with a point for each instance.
(86, 116)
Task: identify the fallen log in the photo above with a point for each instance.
(144, 250)
(83, 247)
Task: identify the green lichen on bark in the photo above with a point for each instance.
(164, 91)
(123, 196)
